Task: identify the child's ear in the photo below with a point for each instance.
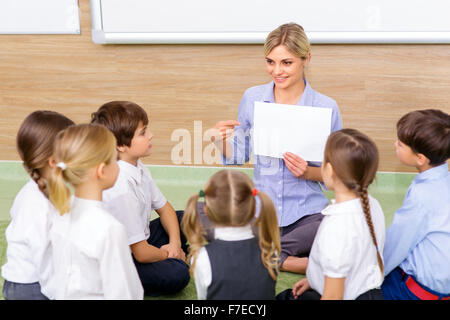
(121, 148)
(51, 162)
(422, 159)
(330, 169)
(100, 170)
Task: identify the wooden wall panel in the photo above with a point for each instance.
(178, 84)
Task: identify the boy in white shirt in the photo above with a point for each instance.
(158, 248)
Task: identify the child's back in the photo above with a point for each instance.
(78, 239)
(28, 239)
(343, 248)
(235, 270)
(236, 264)
(91, 255)
(28, 270)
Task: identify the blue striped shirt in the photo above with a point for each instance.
(293, 197)
(418, 239)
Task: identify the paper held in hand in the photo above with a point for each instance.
(280, 128)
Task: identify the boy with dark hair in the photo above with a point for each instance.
(417, 248)
(158, 248)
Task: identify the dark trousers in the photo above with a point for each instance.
(163, 277)
(297, 238)
(22, 291)
(373, 294)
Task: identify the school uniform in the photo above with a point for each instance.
(28, 269)
(417, 251)
(230, 267)
(343, 248)
(91, 255)
(294, 198)
(131, 201)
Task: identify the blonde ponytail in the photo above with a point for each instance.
(59, 193)
(193, 230)
(269, 235)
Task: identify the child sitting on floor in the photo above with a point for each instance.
(236, 264)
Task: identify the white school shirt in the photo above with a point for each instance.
(92, 259)
(343, 248)
(28, 253)
(202, 270)
(132, 199)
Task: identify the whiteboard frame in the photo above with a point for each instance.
(366, 37)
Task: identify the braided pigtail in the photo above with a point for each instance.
(193, 230)
(364, 197)
(40, 181)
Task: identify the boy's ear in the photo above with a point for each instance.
(121, 148)
(422, 159)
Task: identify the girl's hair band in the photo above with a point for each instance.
(61, 165)
(255, 192)
(201, 194)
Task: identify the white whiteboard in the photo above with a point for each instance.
(249, 21)
(39, 17)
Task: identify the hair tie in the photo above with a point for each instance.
(255, 192)
(61, 165)
(201, 194)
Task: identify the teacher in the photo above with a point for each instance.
(291, 182)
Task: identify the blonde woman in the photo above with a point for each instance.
(292, 183)
(91, 255)
(236, 264)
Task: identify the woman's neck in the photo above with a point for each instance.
(289, 95)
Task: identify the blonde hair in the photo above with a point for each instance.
(290, 35)
(80, 148)
(354, 157)
(229, 201)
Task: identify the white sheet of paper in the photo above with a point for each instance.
(280, 128)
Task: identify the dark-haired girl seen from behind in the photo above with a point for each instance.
(346, 256)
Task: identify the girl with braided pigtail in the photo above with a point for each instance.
(28, 270)
(345, 260)
(241, 261)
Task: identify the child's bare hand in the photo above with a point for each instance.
(174, 251)
(296, 165)
(224, 130)
(300, 287)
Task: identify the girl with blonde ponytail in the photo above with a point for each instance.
(27, 269)
(91, 256)
(236, 264)
(345, 260)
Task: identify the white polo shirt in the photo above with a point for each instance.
(91, 255)
(28, 253)
(343, 248)
(132, 199)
